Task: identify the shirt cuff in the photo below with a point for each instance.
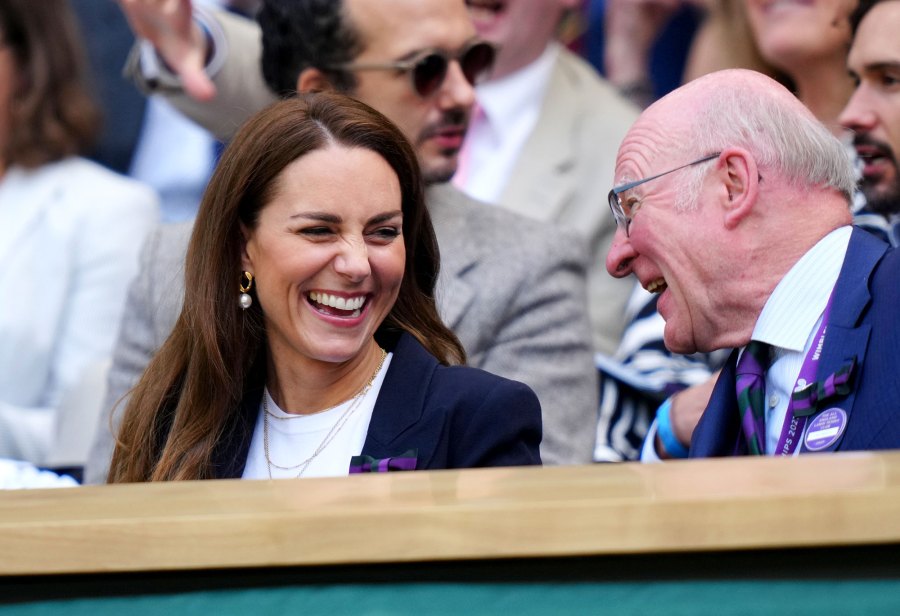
(156, 76)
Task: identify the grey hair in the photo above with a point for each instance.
(794, 145)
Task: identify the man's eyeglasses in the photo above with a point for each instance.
(429, 67)
(623, 212)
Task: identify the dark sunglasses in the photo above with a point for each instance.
(428, 68)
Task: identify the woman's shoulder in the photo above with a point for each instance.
(80, 182)
(81, 193)
(460, 383)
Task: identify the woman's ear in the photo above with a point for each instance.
(740, 182)
(313, 80)
(247, 248)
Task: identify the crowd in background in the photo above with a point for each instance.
(516, 111)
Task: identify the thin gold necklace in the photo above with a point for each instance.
(355, 402)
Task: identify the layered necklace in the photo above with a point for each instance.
(342, 420)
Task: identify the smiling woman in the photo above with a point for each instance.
(309, 342)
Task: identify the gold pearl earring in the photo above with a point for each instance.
(245, 301)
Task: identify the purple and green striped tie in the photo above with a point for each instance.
(750, 378)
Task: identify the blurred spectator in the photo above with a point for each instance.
(144, 137)
(808, 42)
(70, 231)
(543, 138)
(641, 46)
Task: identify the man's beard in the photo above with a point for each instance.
(442, 171)
(881, 198)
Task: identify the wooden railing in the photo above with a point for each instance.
(688, 506)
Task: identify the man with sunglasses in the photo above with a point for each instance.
(513, 290)
(732, 203)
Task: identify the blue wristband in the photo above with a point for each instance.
(664, 429)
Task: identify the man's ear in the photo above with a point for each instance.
(312, 79)
(740, 185)
(246, 261)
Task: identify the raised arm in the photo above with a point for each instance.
(215, 79)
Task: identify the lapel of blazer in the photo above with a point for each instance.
(401, 403)
(719, 431)
(846, 338)
(24, 199)
(541, 180)
(451, 212)
(230, 454)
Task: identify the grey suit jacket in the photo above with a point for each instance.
(564, 172)
(512, 290)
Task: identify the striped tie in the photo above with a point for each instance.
(751, 395)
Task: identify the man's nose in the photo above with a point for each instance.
(456, 91)
(858, 115)
(621, 255)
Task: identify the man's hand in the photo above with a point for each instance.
(182, 45)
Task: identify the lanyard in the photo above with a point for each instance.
(792, 430)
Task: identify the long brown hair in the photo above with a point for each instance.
(52, 113)
(216, 352)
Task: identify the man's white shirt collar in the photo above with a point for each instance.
(791, 312)
(504, 100)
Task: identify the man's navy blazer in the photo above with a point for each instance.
(865, 325)
(453, 416)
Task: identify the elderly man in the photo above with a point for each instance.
(873, 112)
(511, 289)
(733, 205)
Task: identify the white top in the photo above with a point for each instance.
(789, 321)
(294, 438)
(509, 109)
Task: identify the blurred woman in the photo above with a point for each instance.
(70, 231)
(808, 41)
(309, 343)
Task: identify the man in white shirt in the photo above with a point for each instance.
(733, 205)
(542, 141)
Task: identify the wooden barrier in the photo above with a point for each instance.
(681, 507)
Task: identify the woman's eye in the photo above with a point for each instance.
(387, 232)
(316, 231)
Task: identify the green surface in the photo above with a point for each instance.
(795, 597)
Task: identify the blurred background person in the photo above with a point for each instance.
(543, 138)
(309, 342)
(70, 231)
(872, 114)
(142, 136)
(808, 42)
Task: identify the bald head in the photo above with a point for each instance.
(745, 109)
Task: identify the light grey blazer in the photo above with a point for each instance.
(512, 289)
(564, 172)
